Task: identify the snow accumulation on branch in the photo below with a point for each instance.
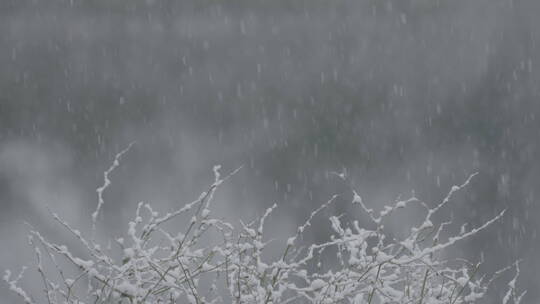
(215, 261)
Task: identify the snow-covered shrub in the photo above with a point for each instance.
(214, 261)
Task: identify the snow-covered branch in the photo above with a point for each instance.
(157, 265)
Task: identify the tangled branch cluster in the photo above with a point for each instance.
(214, 261)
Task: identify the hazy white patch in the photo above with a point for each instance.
(39, 176)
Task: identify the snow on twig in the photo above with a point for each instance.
(215, 261)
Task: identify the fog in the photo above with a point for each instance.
(404, 96)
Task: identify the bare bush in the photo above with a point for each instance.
(214, 261)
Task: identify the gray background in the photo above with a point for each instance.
(405, 95)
